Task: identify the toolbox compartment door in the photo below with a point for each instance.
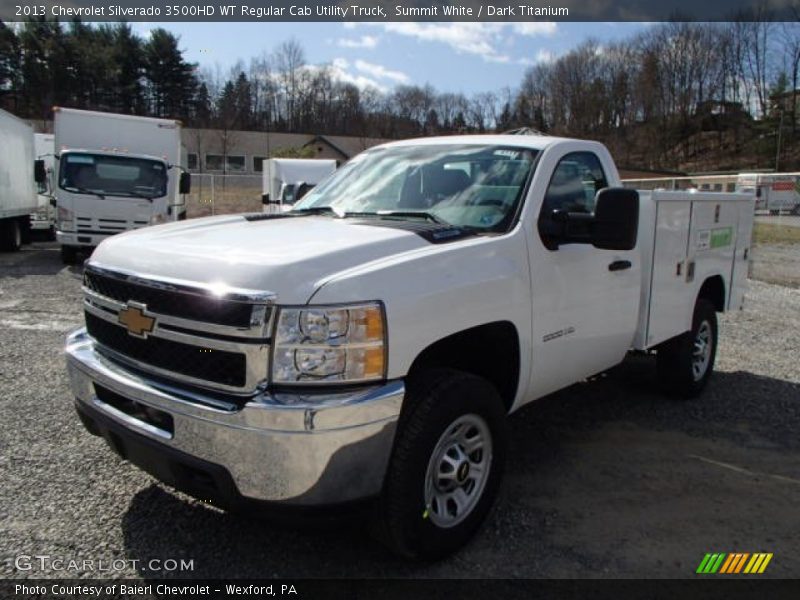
(741, 259)
(670, 297)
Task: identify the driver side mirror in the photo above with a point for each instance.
(185, 183)
(616, 219)
(39, 171)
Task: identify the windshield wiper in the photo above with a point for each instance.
(419, 214)
(315, 210)
(82, 190)
(139, 194)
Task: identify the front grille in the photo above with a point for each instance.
(206, 364)
(167, 302)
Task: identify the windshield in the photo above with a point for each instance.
(465, 185)
(104, 175)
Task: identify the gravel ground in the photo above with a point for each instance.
(605, 479)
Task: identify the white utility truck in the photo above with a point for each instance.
(287, 180)
(774, 192)
(370, 343)
(44, 218)
(19, 173)
(115, 173)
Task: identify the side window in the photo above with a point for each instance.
(576, 180)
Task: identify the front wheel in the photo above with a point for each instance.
(10, 235)
(446, 466)
(686, 362)
(69, 255)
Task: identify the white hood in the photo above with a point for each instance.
(287, 256)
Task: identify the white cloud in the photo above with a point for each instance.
(365, 41)
(535, 28)
(381, 72)
(481, 39)
(340, 71)
(545, 56)
(542, 56)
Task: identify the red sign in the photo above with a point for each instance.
(782, 186)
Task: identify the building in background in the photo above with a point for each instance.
(242, 152)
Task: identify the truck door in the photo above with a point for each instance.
(585, 300)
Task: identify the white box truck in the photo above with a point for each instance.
(115, 173)
(370, 343)
(287, 180)
(44, 218)
(774, 192)
(19, 173)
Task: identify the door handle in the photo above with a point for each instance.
(619, 265)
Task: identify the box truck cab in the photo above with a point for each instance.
(115, 173)
(287, 180)
(774, 192)
(44, 218)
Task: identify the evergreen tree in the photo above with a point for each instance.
(202, 110)
(9, 66)
(171, 81)
(128, 67)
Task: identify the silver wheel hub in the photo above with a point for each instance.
(701, 351)
(458, 470)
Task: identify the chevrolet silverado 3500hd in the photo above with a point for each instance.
(370, 343)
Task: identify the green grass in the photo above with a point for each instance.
(769, 233)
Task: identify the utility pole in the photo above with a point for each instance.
(778, 149)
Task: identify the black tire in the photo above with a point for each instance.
(10, 235)
(440, 401)
(69, 255)
(27, 230)
(681, 371)
(51, 234)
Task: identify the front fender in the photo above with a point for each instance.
(441, 290)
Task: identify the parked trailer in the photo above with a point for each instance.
(774, 192)
(18, 175)
(287, 180)
(115, 173)
(44, 218)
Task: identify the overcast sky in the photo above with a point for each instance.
(453, 57)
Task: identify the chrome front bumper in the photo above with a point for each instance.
(292, 449)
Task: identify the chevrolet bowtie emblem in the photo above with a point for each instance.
(135, 320)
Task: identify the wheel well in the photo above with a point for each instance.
(713, 289)
(490, 351)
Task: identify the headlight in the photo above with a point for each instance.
(64, 217)
(329, 344)
(157, 219)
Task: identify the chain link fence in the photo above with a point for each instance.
(218, 194)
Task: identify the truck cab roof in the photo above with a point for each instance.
(534, 142)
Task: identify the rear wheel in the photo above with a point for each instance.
(10, 235)
(446, 467)
(686, 362)
(69, 255)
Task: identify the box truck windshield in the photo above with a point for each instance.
(104, 175)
